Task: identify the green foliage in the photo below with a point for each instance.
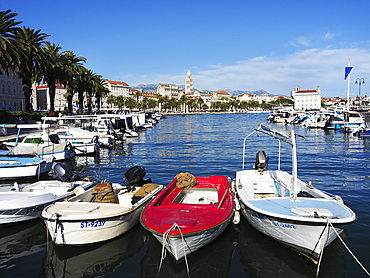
(6, 117)
(23, 115)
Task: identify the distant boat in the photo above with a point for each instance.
(186, 219)
(287, 209)
(15, 167)
(364, 129)
(26, 203)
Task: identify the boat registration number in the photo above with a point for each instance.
(283, 225)
(92, 224)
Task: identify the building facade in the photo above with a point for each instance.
(170, 91)
(11, 93)
(188, 84)
(41, 99)
(306, 99)
(118, 88)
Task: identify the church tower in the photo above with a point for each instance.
(188, 83)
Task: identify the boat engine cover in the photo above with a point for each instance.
(261, 161)
(135, 174)
(64, 173)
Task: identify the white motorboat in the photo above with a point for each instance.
(287, 209)
(42, 144)
(82, 146)
(83, 221)
(86, 136)
(15, 167)
(22, 204)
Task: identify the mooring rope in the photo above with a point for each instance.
(165, 236)
(322, 248)
(327, 219)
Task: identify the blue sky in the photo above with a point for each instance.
(239, 45)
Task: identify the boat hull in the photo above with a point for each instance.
(33, 169)
(189, 218)
(81, 232)
(81, 223)
(307, 238)
(23, 206)
(190, 243)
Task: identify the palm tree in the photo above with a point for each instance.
(31, 51)
(52, 69)
(100, 89)
(119, 101)
(71, 67)
(161, 100)
(8, 50)
(130, 103)
(183, 100)
(90, 80)
(200, 102)
(111, 99)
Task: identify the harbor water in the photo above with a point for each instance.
(204, 145)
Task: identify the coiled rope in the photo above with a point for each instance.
(165, 236)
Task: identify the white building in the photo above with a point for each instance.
(306, 99)
(170, 91)
(188, 83)
(41, 100)
(118, 88)
(11, 93)
(260, 98)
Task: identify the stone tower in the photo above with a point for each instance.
(188, 83)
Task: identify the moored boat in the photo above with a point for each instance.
(286, 209)
(102, 213)
(26, 203)
(17, 167)
(186, 219)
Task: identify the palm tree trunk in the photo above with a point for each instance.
(52, 94)
(69, 99)
(80, 102)
(27, 90)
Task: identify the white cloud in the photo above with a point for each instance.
(301, 42)
(328, 36)
(279, 75)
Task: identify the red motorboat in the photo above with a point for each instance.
(185, 219)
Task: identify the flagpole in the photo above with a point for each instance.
(349, 64)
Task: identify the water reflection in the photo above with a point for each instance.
(94, 260)
(212, 260)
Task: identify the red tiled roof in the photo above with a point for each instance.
(222, 93)
(150, 95)
(307, 91)
(117, 82)
(45, 85)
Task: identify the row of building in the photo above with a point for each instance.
(12, 98)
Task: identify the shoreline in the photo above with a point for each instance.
(209, 113)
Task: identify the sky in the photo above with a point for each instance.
(238, 45)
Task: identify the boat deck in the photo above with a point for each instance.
(304, 207)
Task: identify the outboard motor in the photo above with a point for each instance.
(54, 138)
(261, 161)
(95, 139)
(135, 175)
(64, 173)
